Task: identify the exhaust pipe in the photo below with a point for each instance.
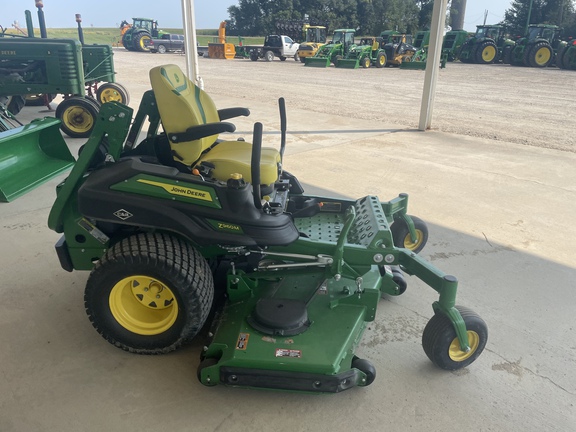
(80, 32)
(40, 5)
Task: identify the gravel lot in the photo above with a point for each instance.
(501, 102)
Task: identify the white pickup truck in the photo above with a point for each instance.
(276, 46)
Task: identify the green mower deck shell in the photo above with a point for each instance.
(338, 317)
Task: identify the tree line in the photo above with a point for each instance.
(370, 17)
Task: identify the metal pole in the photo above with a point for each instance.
(432, 63)
(41, 21)
(191, 42)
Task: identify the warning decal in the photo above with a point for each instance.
(242, 342)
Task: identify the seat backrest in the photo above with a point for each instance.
(181, 105)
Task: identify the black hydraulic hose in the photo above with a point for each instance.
(255, 169)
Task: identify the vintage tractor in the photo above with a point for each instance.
(488, 45)
(452, 43)
(137, 37)
(183, 230)
(341, 43)
(538, 48)
(35, 70)
(398, 50)
(315, 37)
(365, 54)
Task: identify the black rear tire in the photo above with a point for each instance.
(540, 56)
(486, 53)
(121, 293)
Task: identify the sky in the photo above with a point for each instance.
(168, 13)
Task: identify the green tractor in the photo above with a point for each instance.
(182, 230)
(137, 37)
(338, 48)
(488, 45)
(453, 41)
(365, 54)
(566, 57)
(538, 48)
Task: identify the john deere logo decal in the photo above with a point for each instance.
(180, 190)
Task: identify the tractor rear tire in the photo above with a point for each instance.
(486, 53)
(150, 293)
(381, 60)
(540, 55)
(140, 42)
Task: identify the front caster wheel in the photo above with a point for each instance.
(149, 294)
(442, 346)
(366, 367)
(401, 234)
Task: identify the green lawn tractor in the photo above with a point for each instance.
(365, 54)
(566, 57)
(452, 43)
(488, 45)
(185, 230)
(338, 48)
(538, 48)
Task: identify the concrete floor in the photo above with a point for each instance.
(501, 218)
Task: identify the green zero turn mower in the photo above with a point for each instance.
(184, 231)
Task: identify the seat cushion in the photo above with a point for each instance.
(229, 157)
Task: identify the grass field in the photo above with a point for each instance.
(111, 36)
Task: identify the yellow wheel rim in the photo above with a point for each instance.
(78, 119)
(143, 305)
(489, 53)
(455, 352)
(111, 95)
(382, 60)
(409, 244)
(542, 56)
(143, 41)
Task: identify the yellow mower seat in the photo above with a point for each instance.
(182, 105)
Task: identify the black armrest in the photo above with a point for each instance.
(201, 131)
(227, 113)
